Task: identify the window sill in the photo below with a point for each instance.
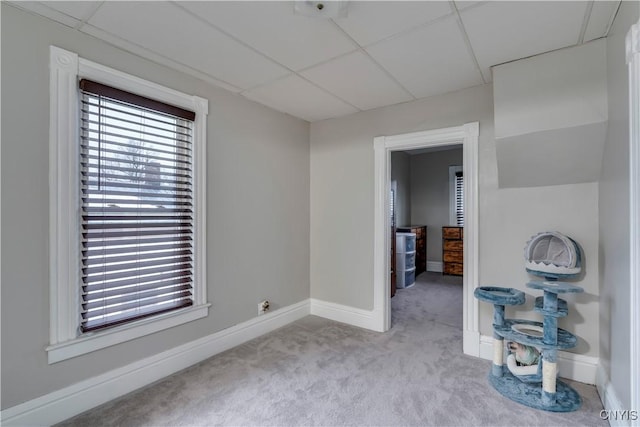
(88, 343)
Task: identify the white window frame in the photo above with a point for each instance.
(65, 341)
(453, 221)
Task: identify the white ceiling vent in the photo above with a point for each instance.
(550, 115)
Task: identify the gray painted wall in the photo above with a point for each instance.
(342, 209)
(257, 210)
(401, 173)
(430, 195)
(614, 214)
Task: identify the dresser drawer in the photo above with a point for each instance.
(452, 256)
(452, 245)
(451, 232)
(454, 268)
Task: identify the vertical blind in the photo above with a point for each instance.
(459, 188)
(137, 206)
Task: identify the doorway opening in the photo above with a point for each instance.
(467, 136)
(427, 228)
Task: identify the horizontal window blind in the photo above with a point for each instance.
(459, 188)
(137, 206)
(392, 201)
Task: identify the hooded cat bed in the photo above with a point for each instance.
(552, 255)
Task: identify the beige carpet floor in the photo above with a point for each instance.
(319, 372)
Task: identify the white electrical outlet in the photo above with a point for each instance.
(263, 307)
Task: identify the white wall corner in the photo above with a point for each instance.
(72, 400)
(367, 319)
(575, 367)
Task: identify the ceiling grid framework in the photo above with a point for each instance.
(381, 53)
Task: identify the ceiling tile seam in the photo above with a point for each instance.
(324, 61)
(95, 10)
(376, 63)
(280, 110)
(326, 91)
(56, 11)
(232, 37)
(391, 76)
(467, 41)
(473, 6)
(170, 63)
(403, 32)
(539, 54)
(585, 22)
(612, 18)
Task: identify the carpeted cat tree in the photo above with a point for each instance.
(528, 378)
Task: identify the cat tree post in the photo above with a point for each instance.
(549, 357)
(499, 297)
(498, 342)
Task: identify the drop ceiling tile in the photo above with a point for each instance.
(43, 9)
(298, 97)
(81, 10)
(368, 22)
(177, 35)
(505, 31)
(155, 57)
(601, 15)
(358, 80)
(430, 60)
(295, 41)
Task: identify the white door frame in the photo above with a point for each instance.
(467, 135)
(633, 61)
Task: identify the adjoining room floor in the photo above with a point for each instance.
(319, 372)
(435, 297)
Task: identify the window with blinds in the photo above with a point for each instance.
(137, 206)
(456, 196)
(459, 199)
(392, 207)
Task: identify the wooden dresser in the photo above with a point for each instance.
(452, 250)
(421, 245)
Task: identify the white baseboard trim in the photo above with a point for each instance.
(435, 266)
(471, 341)
(575, 367)
(610, 400)
(343, 313)
(77, 398)
(486, 347)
